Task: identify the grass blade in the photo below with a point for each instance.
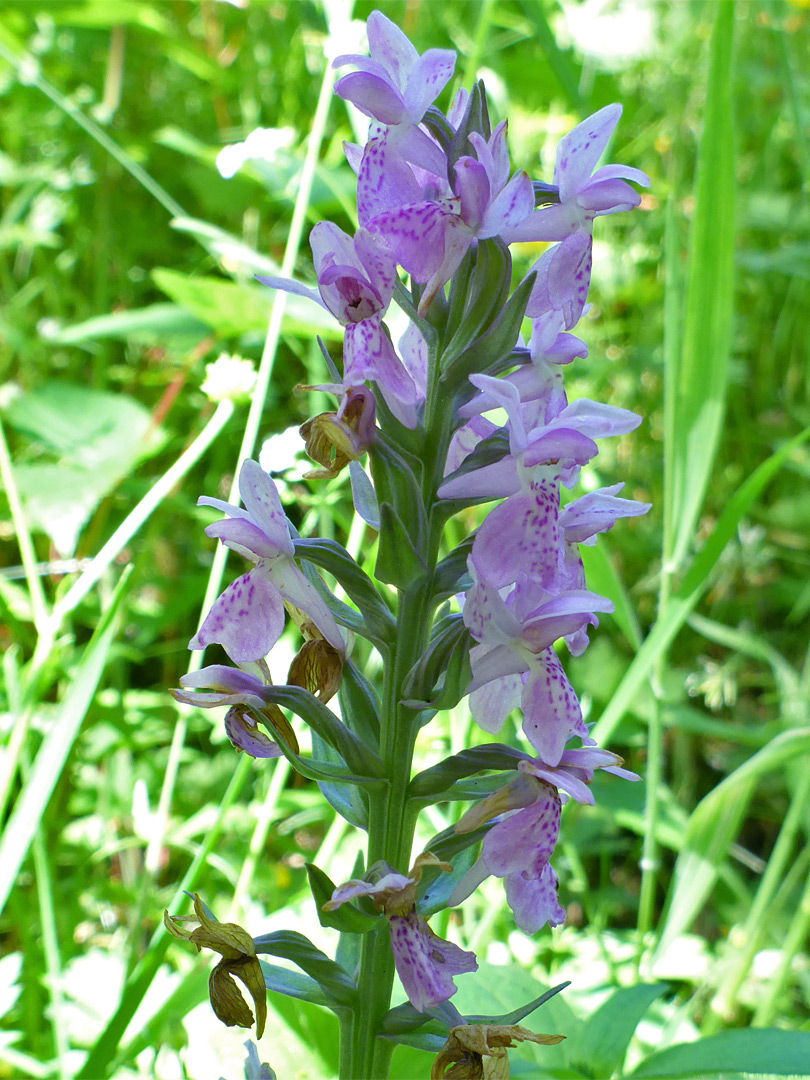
(695, 412)
(712, 827)
(53, 752)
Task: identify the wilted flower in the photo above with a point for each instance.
(467, 1045)
(239, 958)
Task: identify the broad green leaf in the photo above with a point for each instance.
(612, 1026)
(292, 983)
(147, 326)
(695, 407)
(93, 438)
(751, 1052)
(289, 945)
(712, 827)
(44, 774)
(476, 759)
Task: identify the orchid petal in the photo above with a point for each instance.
(246, 620)
(534, 901)
(580, 150)
(428, 77)
(426, 963)
(373, 96)
(262, 502)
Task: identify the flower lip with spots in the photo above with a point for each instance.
(248, 617)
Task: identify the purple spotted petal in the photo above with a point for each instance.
(509, 208)
(534, 901)
(246, 735)
(390, 48)
(246, 620)
(525, 840)
(417, 235)
(428, 77)
(551, 712)
(385, 180)
(426, 963)
(521, 534)
(580, 150)
(264, 506)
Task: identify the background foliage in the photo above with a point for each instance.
(126, 267)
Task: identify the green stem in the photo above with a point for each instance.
(756, 923)
(794, 944)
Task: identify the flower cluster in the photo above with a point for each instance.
(460, 411)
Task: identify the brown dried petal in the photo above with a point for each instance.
(317, 667)
(468, 1045)
(226, 998)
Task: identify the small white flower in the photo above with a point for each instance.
(229, 378)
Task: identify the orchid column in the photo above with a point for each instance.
(438, 207)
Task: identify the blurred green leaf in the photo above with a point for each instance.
(96, 438)
(764, 1052)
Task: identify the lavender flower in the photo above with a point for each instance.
(248, 617)
(355, 283)
(247, 696)
(424, 962)
(564, 271)
(395, 86)
(431, 237)
(518, 848)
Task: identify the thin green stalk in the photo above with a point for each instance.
(27, 69)
(53, 963)
(756, 922)
(479, 41)
(794, 944)
(281, 770)
(23, 533)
